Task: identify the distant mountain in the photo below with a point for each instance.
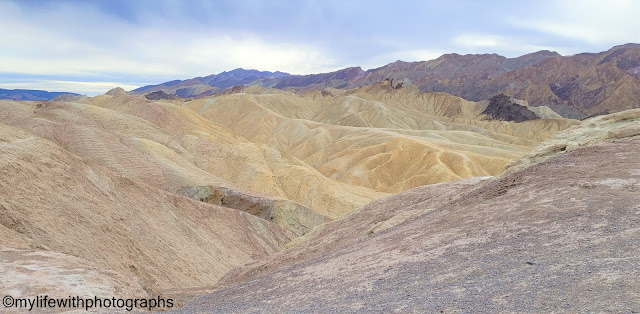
(339, 79)
(212, 83)
(29, 94)
(575, 86)
(235, 77)
(454, 73)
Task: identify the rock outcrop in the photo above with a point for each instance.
(291, 215)
(501, 108)
(160, 95)
(622, 125)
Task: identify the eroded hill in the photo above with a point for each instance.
(377, 137)
(557, 235)
(55, 201)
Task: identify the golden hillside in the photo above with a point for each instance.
(376, 137)
(171, 147)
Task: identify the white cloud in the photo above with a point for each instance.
(253, 53)
(79, 41)
(475, 40)
(595, 22)
(489, 43)
(87, 88)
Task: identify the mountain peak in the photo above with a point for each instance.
(627, 45)
(247, 72)
(543, 52)
(116, 91)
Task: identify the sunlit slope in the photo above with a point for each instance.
(255, 165)
(171, 147)
(376, 137)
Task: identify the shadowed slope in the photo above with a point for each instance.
(53, 200)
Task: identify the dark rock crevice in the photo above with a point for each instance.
(160, 95)
(502, 108)
(290, 215)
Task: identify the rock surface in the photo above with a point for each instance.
(282, 164)
(30, 273)
(618, 126)
(329, 154)
(90, 187)
(160, 95)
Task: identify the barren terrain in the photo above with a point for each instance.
(558, 235)
(371, 199)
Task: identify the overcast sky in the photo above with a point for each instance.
(91, 46)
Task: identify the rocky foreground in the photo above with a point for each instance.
(561, 234)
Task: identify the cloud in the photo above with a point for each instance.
(490, 43)
(475, 40)
(253, 53)
(81, 42)
(602, 23)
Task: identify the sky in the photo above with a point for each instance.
(89, 47)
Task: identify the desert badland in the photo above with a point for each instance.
(470, 182)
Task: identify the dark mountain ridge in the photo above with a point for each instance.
(212, 83)
(30, 94)
(575, 86)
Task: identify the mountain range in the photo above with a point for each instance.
(30, 94)
(202, 86)
(574, 86)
